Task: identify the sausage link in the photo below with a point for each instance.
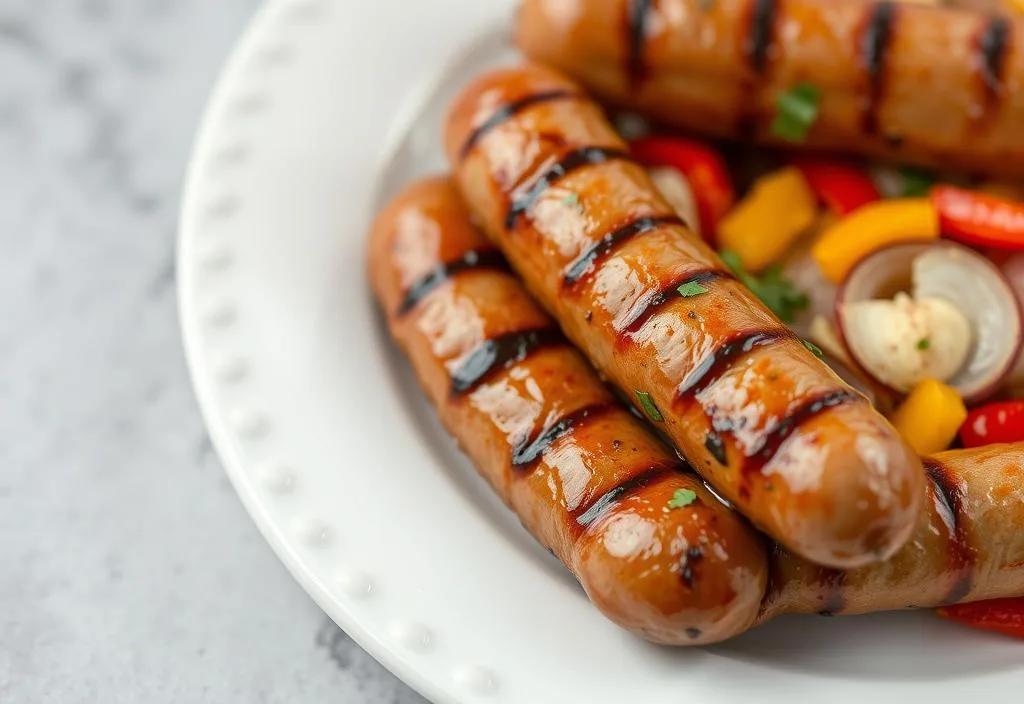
(586, 478)
(968, 546)
(595, 489)
(803, 455)
(936, 86)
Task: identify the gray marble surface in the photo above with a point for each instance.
(129, 571)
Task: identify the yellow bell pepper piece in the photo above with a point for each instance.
(930, 417)
(779, 208)
(872, 227)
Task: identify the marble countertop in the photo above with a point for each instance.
(130, 570)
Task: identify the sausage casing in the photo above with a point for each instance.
(441, 285)
(936, 86)
(968, 546)
(799, 452)
(585, 476)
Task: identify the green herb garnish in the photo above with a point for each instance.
(691, 289)
(795, 111)
(572, 200)
(813, 348)
(775, 290)
(649, 408)
(924, 343)
(916, 183)
(682, 498)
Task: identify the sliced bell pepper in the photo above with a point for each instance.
(703, 168)
(1014, 5)
(841, 187)
(1004, 616)
(978, 219)
(994, 423)
(930, 417)
(779, 208)
(872, 227)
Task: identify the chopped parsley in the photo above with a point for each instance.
(775, 290)
(691, 289)
(649, 408)
(813, 348)
(572, 201)
(916, 183)
(795, 111)
(682, 498)
(924, 343)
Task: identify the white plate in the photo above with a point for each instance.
(340, 462)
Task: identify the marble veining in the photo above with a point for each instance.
(131, 572)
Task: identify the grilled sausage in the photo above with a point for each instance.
(583, 474)
(803, 455)
(936, 86)
(606, 480)
(968, 546)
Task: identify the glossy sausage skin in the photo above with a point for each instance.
(585, 476)
(799, 452)
(935, 86)
(440, 285)
(968, 546)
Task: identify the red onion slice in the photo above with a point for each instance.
(961, 277)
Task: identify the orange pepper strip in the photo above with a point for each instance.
(870, 228)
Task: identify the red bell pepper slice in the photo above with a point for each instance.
(994, 423)
(1004, 616)
(704, 169)
(841, 187)
(979, 219)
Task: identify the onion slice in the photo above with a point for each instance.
(1013, 269)
(959, 276)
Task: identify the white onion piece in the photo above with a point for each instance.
(973, 284)
(1013, 269)
(959, 276)
(823, 334)
(675, 188)
(802, 269)
(631, 126)
(886, 336)
(888, 180)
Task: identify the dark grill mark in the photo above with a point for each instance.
(690, 565)
(711, 368)
(874, 47)
(473, 259)
(760, 35)
(500, 353)
(510, 110)
(760, 23)
(587, 517)
(637, 13)
(992, 49)
(577, 158)
(777, 581)
(669, 293)
(530, 451)
(961, 554)
(833, 591)
(587, 261)
(794, 419)
(716, 446)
